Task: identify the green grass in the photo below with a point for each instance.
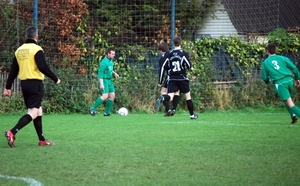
(219, 148)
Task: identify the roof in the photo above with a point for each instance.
(263, 16)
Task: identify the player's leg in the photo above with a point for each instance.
(29, 90)
(284, 91)
(185, 89)
(166, 101)
(109, 104)
(100, 99)
(37, 122)
(111, 97)
(163, 91)
(293, 116)
(176, 99)
(172, 88)
(38, 125)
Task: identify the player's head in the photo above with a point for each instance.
(271, 48)
(177, 41)
(163, 47)
(31, 33)
(110, 52)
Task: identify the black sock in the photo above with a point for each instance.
(190, 106)
(166, 97)
(166, 102)
(38, 127)
(23, 121)
(167, 105)
(175, 101)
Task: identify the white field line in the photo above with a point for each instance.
(215, 123)
(30, 181)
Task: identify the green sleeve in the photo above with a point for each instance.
(101, 70)
(264, 74)
(293, 68)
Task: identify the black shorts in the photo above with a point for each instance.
(33, 92)
(165, 85)
(183, 86)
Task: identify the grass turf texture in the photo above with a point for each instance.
(219, 148)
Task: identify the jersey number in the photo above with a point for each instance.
(275, 63)
(176, 66)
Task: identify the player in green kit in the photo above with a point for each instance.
(105, 74)
(281, 71)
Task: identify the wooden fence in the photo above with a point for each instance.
(16, 88)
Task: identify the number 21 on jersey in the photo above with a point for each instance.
(176, 66)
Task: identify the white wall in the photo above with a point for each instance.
(217, 26)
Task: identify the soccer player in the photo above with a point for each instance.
(30, 66)
(280, 71)
(106, 85)
(163, 49)
(177, 62)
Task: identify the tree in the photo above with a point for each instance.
(146, 22)
(58, 21)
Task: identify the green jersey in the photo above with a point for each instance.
(277, 67)
(106, 68)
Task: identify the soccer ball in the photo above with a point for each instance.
(123, 111)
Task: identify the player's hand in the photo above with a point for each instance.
(159, 85)
(7, 92)
(116, 75)
(58, 82)
(297, 83)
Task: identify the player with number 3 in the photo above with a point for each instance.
(282, 72)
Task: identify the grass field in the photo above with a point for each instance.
(250, 147)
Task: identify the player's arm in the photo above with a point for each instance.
(40, 59)
(187, 60)
(293, 68)
(101, 74)
(14, 70)
(162, 71)
(295, 71)
(116, 74)
(264, 75)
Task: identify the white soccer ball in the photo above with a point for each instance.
(123, 111)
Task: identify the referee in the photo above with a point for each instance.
(30, 66)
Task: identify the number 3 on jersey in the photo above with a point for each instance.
(275, 63)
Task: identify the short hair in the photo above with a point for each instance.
(271, 48)
(31, 32)
(109, 50)
(163, 46)
(177, 41)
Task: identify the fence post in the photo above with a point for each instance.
(35, 13)
(172, 22)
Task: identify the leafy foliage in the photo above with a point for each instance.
(147, 22)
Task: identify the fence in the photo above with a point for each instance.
(76, 33)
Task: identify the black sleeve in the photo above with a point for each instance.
(43, 67)
(188, 61)
(162, 71)
(14, 71)
(160, 62)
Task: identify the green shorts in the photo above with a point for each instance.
(108, 86)
(284, 88)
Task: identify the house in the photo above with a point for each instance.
(217, 24)
(250, 20)
(251, 17)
